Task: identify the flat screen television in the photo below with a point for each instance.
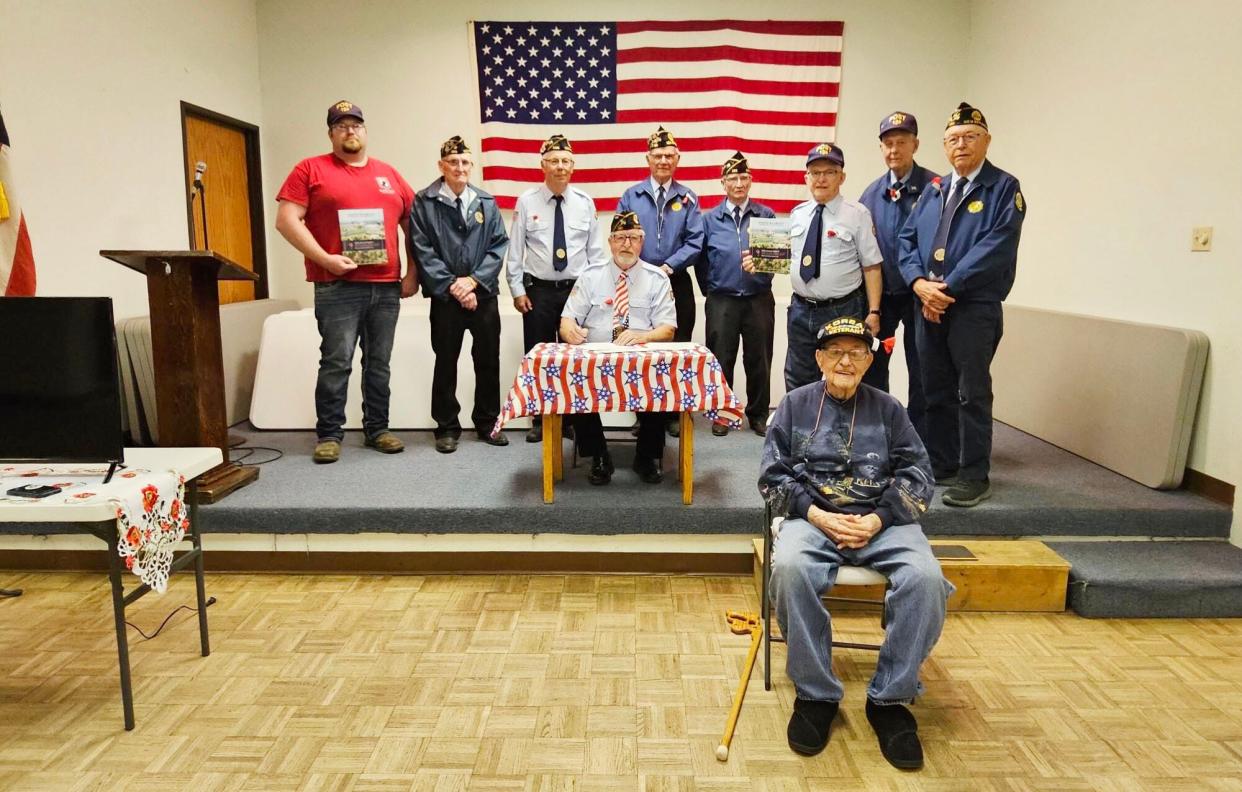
(60, 395)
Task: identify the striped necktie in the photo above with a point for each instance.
(621, 306)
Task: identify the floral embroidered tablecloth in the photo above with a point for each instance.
(151, 513)
(586, 378)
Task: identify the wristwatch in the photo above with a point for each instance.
(875, 311)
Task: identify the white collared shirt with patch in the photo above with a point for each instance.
(848, 246)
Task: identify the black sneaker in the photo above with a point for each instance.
(648, 469)
(967, 493)
(601, 469)
(810, 724)
(898, 733)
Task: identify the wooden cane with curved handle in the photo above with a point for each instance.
(740, 624)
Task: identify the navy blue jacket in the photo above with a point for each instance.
(447, 248)
(890, 216)
(981, 256)
(681, 240)
(721, 268)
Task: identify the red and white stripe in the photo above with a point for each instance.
(766, 88)
(17, 269)
(571, 360)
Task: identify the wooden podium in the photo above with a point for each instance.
(189, 367)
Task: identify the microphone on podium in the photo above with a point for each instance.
(199, 168)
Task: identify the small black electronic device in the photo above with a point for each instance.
(34, 490)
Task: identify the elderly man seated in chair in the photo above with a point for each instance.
(856, 478)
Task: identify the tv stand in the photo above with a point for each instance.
(112, 468)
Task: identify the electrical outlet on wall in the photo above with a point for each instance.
(1201, 239)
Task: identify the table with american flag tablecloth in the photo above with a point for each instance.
(555, 380)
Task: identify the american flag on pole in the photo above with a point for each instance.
(766, 88)
(17, 272)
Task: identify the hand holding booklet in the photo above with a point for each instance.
(770, 245)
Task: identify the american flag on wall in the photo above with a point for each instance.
(17, 271)
(766, 88)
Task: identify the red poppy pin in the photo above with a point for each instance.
(608, 301)
(831, 233)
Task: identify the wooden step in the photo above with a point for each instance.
(1006, 575)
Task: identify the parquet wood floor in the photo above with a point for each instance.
(567, 683)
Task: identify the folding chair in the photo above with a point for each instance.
(847, 575)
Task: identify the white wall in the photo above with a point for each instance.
(91, 96)
(1121, 121)
(408, 67)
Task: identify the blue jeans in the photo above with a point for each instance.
(349, 313)
(804, 568)
(802, 325)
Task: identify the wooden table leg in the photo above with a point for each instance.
(550, 431)
(558, 446)
(685, 455)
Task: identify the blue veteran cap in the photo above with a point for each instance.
(899, 122)
(826, 151)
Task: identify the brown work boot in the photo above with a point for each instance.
(385, 443)
(327, 451)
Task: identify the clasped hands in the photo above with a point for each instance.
(847, 531)
(935, 298)
(462, 290)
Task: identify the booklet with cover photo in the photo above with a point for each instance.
(362, 236)
(770, 244)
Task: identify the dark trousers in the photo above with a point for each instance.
(803, 324)
(903, 309)
(449, 323)
(541, 322)
(683, 298)
(590, 434)
(956, 357)
(750, 320)
(349, 314)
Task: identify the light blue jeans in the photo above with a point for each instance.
(804, 568)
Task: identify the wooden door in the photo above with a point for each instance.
(226, 192)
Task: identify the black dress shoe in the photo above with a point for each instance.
(601, 469)
(898, 733)
(567, 431)
(673, 427)
(535, 433)
(759, 428)
(719, 430)
(648, 469)
(446, 444)
(498, 440)
(810, 724)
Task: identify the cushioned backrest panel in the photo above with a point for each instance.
(241, 326)
(1121, 394)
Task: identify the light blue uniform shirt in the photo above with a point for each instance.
(849, 245)
(530, 237)
(591, 302)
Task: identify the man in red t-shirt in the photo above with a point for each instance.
(341, 211)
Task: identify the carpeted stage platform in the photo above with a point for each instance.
(1038, 490)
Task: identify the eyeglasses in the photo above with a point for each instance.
(737, 178)
(856, 354)
(348, 127)
(627, 239)
(663, 157)
(559, 163)
(953, 141)
(822, 174)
